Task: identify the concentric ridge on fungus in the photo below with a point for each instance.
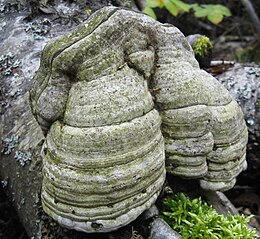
(114, 97)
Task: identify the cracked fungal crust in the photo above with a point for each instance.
(114, 97)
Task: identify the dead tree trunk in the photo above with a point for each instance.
(20, 166)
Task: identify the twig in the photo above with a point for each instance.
(216, 63)
(205, 26)
(252, 14)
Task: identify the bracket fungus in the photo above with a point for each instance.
(114, 98)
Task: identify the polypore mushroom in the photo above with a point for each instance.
(100, 95)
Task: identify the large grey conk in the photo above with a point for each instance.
(117, 98)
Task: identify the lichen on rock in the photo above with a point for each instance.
(114, 97)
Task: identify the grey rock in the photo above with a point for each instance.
(159, 229)
(193, 38)
(149, 213)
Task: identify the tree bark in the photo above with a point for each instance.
(242, 81)
(20, 133)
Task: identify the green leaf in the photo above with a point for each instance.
(222, 9)
(154, 3)
(149, 11)
(171, 7)
(183, 6)
(214, 13)
(215, 17)
(200, 11)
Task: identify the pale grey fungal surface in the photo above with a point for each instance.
(117, 96)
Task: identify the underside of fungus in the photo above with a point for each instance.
(117, 96)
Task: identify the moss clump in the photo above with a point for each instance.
(202, 46)
(196, 219)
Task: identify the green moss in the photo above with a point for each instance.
(202, 46)
(193, 218)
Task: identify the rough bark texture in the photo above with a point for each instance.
(22, 138)
(243, 83)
